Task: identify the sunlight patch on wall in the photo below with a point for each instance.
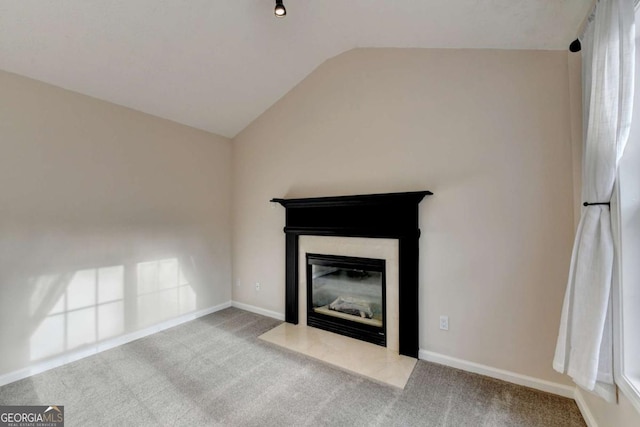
(163, 291)
(76, 310)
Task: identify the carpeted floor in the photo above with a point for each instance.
(214, 371)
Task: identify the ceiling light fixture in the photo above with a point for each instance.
(280, 11)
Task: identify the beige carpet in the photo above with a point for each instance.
(214, 371)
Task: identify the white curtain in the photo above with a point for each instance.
(584, 349)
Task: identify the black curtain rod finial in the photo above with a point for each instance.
(575, 46)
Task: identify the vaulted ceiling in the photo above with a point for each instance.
(217, 65)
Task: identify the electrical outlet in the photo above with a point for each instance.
(237, 283)
(257, 286)
(444, 323)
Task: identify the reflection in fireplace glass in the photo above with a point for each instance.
(351, 293)
(346, 295)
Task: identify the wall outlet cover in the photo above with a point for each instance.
(444, 323)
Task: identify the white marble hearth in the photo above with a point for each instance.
(382, 364)
(372, 361)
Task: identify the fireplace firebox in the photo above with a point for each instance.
(347, 295)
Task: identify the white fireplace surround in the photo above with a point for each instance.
(386, 249)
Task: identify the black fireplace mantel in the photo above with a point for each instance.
(390, 215)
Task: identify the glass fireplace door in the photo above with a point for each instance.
(347, 295)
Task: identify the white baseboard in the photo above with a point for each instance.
(584, 409)
(512, 377)
(257, 310)
(105, 345)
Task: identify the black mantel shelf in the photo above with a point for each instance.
(389, 215)
(363, 199)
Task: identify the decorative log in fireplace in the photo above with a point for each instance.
(390, 216)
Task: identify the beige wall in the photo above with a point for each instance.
(488, 131)
(110, 221)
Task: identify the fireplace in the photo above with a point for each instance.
(347, 295)
(375, 216)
